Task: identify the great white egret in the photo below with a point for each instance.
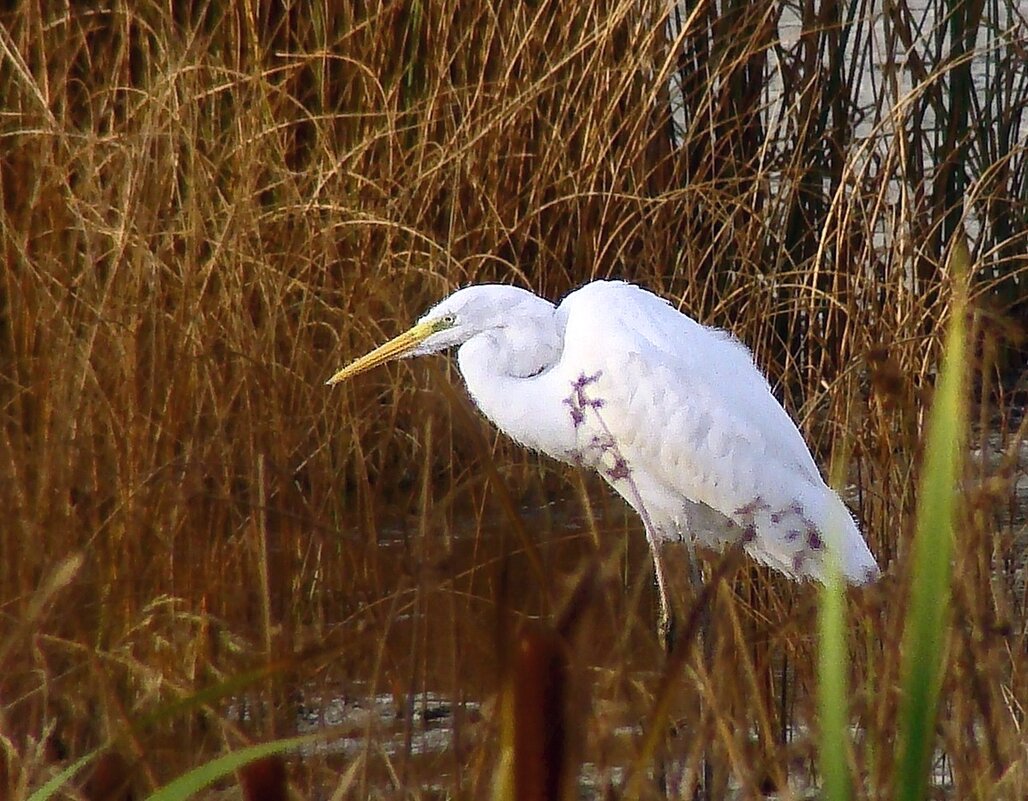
(673, 414)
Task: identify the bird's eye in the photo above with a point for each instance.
(448, 320)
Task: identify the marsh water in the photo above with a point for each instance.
(420, 695)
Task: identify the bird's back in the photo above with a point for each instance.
(680, 421)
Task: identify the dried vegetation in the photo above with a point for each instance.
(205, 207)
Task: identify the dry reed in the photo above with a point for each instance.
(206, 207)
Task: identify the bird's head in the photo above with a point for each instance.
(453, 321)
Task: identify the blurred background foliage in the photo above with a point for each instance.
(206, 207)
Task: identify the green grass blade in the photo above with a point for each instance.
(207, 696)
(193, 781)
(924, 638)
(833, 697)
(832, 690)
(55, 783)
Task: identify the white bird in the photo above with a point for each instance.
(673, 414)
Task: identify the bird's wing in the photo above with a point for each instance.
(679, 420)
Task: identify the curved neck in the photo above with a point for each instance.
(511, 383)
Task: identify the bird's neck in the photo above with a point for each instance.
(508, 378)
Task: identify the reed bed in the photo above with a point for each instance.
(207, 207)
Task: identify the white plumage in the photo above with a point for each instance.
(673, 414)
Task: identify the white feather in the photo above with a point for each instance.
(673, 414)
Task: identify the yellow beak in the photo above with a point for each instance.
(395, 348)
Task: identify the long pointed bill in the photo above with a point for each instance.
(395, 348)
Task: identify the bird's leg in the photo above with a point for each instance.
(706, 642)
(665, 628)
(696, 580)
(667, 633)
(666, 622)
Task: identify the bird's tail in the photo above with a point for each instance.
(801, 535)
(842, 540)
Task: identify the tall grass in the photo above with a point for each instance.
(206, 207)
(924, 639)
(926, 628)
